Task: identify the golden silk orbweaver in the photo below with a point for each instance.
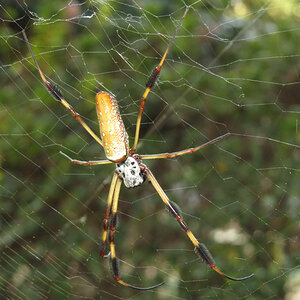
(129, 167)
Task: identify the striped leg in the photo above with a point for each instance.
(56, 94)
(150, 83)
(86, 163)
(112, 229)
(182, 152)
(107, 213)
(200, 249)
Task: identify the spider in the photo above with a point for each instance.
(129, 166)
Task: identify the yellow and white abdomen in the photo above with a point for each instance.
(112, 129)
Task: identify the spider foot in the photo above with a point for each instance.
(138, 288)
(204, 253)
(229, 277)
(114, 263)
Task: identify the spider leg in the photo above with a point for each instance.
(200, 249)
(56, 94)
(112, 229)
(86, 163)
(108, 212)
(150, 83)
(182, 152)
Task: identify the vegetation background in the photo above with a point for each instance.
(234, 67)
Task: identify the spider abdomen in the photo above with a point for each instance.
(112, 129)
(130, 172)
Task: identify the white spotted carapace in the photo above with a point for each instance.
(112, 129)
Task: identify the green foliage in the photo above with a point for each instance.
(234, 67)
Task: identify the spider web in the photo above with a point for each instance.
(233, 68)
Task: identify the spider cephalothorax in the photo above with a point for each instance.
(131, 173)
(129, 168)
